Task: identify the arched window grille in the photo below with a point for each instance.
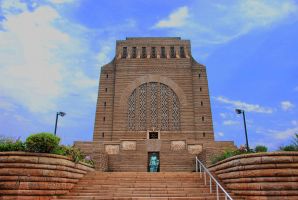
(153, 105)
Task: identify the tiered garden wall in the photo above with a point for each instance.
(37, 175)
(260, 175)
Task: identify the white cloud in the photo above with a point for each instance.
(294, 122)
(20, 118)
(285, 134)
(221, 134)
(264, 13)
(230, 122)
(5, 105)
(38, 59)
(103, 55)
(286, 105)
(178, 18)
(223, 115)
(12, 6)
(26, 74)
(222, 23)
(61, 1)
(245, 106)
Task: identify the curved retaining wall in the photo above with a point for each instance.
(260, 175)
(37, 175)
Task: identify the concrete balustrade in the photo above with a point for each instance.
(260, 176)
(37, 175)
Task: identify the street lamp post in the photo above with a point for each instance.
(62, 114)
(239, 111)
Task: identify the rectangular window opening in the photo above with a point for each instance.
(172, 52)
(153, 52)
(153, 135)
(144, 53)
(134, 52)
(182, 52)
(124, 52)
(163, 52)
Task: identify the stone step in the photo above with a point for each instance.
(141, 185)
(140, 198)
(141, 180)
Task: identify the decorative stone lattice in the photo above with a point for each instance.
(156, 96)
(176, 112)
(129, 145)
(153, 100)
(142, 111)
(131, 110)
(164, 90)
(178, 145)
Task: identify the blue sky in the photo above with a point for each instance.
(51, 52)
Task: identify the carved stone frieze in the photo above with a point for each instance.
(178, 145)
(129, 145)
(112, 149)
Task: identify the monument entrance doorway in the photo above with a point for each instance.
(153, 162)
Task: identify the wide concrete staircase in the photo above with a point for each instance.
(141, 185)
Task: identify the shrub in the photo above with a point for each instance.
(60, 150)
(226, 154)
(290, 147)
(88, 160)
(260, 148)
(74, 153)
(229, 153)
(9, 144)
(42, 143)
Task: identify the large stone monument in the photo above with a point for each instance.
(153, 99)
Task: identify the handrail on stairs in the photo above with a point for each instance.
(200, 166)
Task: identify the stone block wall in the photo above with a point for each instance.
(132, 155)
(37, 176)
(260, 175)
(97, 152)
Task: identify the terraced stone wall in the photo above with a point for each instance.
(37, 176)
(260, 175)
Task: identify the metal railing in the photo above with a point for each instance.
(202, 169)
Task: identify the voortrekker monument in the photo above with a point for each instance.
(153, 101)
